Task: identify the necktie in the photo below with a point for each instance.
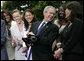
(29, 54)
(38, 31)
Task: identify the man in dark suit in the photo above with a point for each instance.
(4, 55)
(42, 49)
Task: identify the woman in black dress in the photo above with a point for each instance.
(72, 45)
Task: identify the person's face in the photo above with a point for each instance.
(68, 12)
(61, 13)
(7, 17)
(17, 17)
(50, 14)
(29, 17)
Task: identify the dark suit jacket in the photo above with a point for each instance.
(73, 39)
(3, 41)
(42, 49)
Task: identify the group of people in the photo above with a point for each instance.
(61, 40)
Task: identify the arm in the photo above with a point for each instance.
(3, 32)
(12, 29)
(75, 36)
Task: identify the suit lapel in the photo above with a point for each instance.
(36, 27)
(44, 28)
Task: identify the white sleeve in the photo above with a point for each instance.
(12, 32)
(24, 45)
(13, 24)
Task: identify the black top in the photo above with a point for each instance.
(73, 38)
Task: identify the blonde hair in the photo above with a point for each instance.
(16, 10)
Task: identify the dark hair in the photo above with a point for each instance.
(75, 8)
(61, 17)
(25, 21)
(3, 17)
(64, 6)
(8, 13)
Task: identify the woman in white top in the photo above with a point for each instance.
(17, 32)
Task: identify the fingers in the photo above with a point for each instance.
(57, 53)
(58, 45)
(30, 44)
(24, 49)
(13, 43)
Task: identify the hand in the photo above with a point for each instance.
(24, 49)
(31, 33)
(19, 42)
(14, 43)
(29, 44)
(57, 53)
(58, 44)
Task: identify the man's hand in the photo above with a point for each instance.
(31, 44)
(57, 53)
(31, 33)
(58, 44)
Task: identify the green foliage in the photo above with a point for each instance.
(36, 6)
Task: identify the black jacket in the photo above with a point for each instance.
(73, 39)
(42, 49)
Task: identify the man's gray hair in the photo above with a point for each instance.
(47, 7)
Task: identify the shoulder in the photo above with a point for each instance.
(56, 23)
(36, 23)
(13, 25)
(53, 26)
(2, 21)
(77, 22)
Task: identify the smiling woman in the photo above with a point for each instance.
(17, 32)
(7, 17)
(72, 37)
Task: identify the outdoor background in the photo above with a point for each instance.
(36, 6)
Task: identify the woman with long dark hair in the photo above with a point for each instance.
(72, 45)
(7, 17)
(28, 18)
